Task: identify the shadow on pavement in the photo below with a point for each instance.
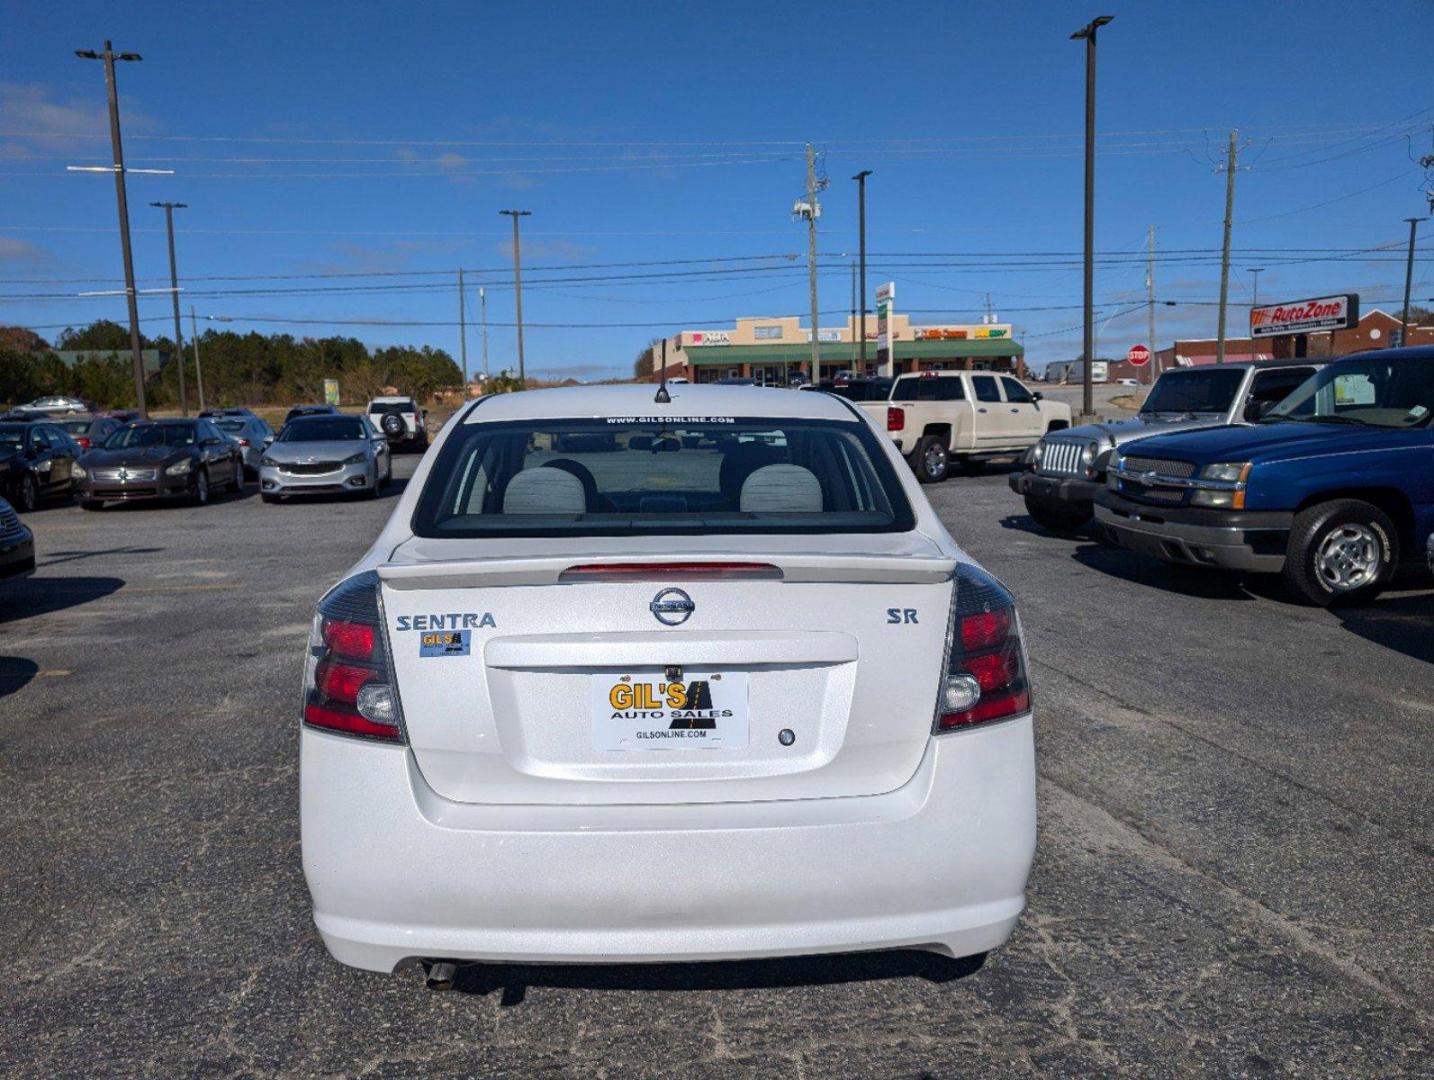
(1187, 581)
(43, 595)
(1026, 524)
(15, 672)
(1403, 623)
(72, 556)
(514, 979)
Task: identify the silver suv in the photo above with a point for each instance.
(1065, 469)
(402, 422)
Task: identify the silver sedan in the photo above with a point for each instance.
(325, 455)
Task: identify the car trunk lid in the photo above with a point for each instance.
(549, 678)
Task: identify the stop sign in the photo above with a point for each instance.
(1138, 356)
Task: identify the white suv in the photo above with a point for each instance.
(628, 680)
(400, 419)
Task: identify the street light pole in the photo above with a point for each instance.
(1408, 279)
(169, 209)
(518, 288)
(109, 56)
(1087, 34)
(860, 179)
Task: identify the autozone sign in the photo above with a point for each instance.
(1302, 316)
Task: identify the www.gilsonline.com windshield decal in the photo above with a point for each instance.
(671, 419)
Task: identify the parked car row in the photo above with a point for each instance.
(109, 458)
(1322, 473)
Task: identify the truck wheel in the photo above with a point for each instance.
(1340, 552)
(1056, 517)
(928, 460)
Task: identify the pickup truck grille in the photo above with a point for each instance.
(1179, 470)
(1061, 458)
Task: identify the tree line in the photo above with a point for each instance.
(238, 369)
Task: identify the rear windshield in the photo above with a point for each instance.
(929, 388)
(230, 425)
(624, 476)
(1195, 391)
(127, 438)
(76, 427)
(322, 429)
(386, 407)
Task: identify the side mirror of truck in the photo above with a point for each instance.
(1037, 395)
(1255, 410)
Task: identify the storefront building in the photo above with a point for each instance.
(776, 349)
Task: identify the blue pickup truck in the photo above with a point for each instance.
(1331, 489)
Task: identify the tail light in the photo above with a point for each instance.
(985, 676)
(349, 686)
(83, 442)
(244, 442)
(895, 418)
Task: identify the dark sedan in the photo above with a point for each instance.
(17, 545)
(89, 431)
(164, 459)
(36, 459)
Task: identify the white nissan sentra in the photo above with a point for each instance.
(626, 679)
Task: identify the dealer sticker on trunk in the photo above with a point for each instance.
(648, 711)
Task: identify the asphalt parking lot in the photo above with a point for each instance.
(1233, 875)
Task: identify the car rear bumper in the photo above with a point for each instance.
(17, 556)
(398, 873)
(1078, 492)
(347, 478)
(1231, 540)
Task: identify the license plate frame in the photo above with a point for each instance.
(642, 710)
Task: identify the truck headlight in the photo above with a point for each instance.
(1232, 472)
(1037, 452)
(179, 468)
(78, 471)
(1087, 456)
(356, 459)
(268, 462)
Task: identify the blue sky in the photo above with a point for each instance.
(383, 138)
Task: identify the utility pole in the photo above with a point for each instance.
(1087, 34)
(169, 209)
(483, 310)
(1150, 301)
(860, 179)
(518, 289)
(463, 331)
(811, 212)
(1408, 279)
(853, 315)
(198, 371)
(1225, 249)
(109, 56)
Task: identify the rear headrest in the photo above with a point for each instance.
(544, 491)
(781, 489)
(739, 462)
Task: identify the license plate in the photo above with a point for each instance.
(645, 710)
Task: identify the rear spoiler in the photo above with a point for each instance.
(558, 570)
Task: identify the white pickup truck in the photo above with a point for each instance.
(936, 417)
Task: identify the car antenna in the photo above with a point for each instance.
(663, 397)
